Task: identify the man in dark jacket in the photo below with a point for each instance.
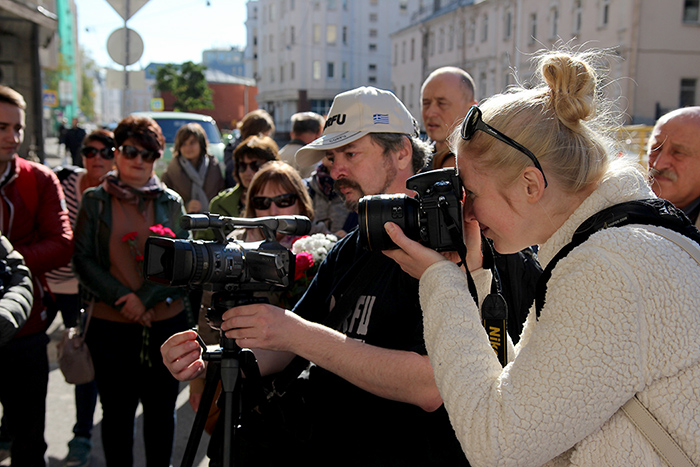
(73, 140)
(34, 218)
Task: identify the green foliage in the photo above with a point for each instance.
(87, 96)
(187, 84)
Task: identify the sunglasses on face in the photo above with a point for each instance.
(473, 122)
(90, 152)
(282, 201)
(254, 166)
(131, 152)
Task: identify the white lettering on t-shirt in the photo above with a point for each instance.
(358, 323)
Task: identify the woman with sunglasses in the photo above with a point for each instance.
(620, 313)
(192, 172)
(98, 159)
(248, 156)
(131, 317)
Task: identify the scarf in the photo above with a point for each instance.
(128, 194)
(197, 177)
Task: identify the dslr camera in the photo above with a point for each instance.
(434, 217)
(227, 271)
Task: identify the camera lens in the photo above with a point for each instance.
(375, 211)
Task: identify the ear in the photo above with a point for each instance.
(533, 184)
(404, 156)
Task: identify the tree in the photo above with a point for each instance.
(87, 95)
(187, 84)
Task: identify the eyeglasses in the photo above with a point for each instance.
(473, 122)
(90, 152)
(254, 166)
(281, 201)
(130, 152)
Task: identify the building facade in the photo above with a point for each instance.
(654, 65)
(304, 52)
(227, 60)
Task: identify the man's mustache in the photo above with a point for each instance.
(345, 183)
(666, 173)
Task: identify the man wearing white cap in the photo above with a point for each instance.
(372, 398)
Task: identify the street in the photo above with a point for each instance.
(60, 403)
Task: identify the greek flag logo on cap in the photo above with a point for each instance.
(381, 118)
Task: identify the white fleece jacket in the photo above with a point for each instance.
(621, 316)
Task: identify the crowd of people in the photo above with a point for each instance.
(387, 352)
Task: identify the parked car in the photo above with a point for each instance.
(170, 122)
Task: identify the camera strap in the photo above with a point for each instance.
(494, 309)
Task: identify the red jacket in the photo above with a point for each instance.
(39, 229)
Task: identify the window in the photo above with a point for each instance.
(413, 48)
(554, 26)
(344, 72)
(321, 106)
(507, 25)
(396, 54)
(292, 37)
(331, 34)
(403, 6)
(332, 4)
(317, 70)
(485, 29)
(441, 41)
(533, 28)
(373, 18)
(345, 35)
(372, 67)
(291, 71)
(451, 38)
(373, 47)
(281, 73)
(410, 96)
(403, 52)
(403, 93)
(688, 86)
(372, 80)
(690, 11)
(272, 43)
(317, 33)
(432, 44)
(604, 13)
(330, 70)
(373, 33)
(578, 16)
(272, 75)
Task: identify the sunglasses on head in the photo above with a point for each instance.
(254, 166)
(473, 122)
(282, 201)
(130, 152)
(90, 152)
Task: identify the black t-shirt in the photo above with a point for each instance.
(352, 426)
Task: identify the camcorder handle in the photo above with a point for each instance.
(288, 225)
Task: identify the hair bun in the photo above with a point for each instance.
(572, 83)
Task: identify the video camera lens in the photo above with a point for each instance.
(375, 211)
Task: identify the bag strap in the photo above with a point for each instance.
(662, 441)
(89, 315)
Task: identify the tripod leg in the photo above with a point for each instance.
(200, 420)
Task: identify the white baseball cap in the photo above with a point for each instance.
(357, 113)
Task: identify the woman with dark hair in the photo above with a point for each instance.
(249, 156)
(193, 172)
(131, 317)
(257, 122)
(97, 152)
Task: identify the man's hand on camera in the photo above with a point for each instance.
(182, 355)
(261, 326)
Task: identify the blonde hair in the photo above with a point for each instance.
(560, 122)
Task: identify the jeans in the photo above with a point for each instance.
(124, 380)
(24, 366)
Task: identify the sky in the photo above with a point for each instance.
(173, 31)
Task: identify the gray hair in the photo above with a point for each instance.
(392, 142)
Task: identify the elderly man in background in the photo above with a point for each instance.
(674, 160)
(446, 96)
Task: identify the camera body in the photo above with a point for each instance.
(227, 271)
(427, 218)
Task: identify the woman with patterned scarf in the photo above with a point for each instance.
(131, 317)
(192, 172)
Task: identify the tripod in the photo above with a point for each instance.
(225, 364)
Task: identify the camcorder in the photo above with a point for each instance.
(228, 271)
(434, 217)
